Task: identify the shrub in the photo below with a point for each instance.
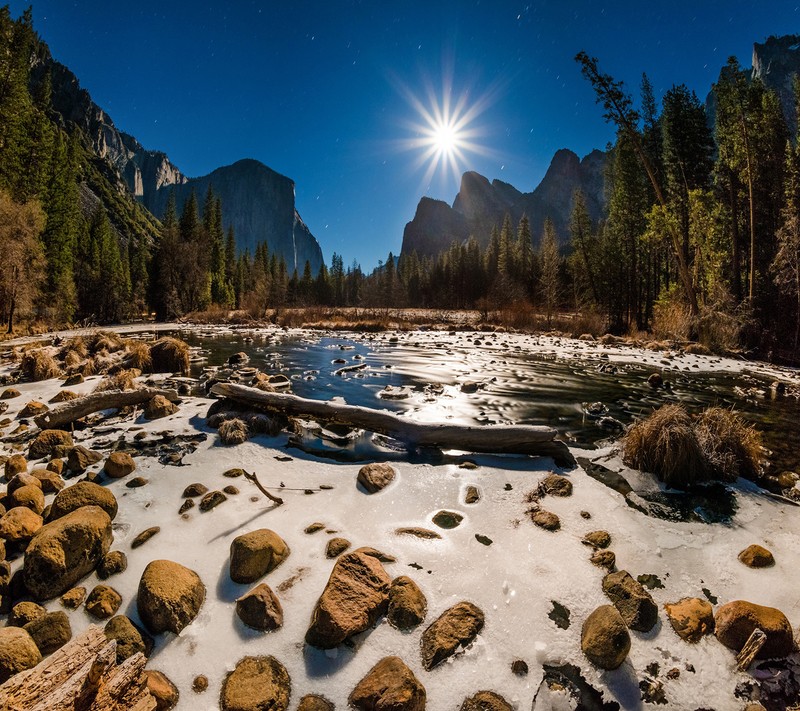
(137, 355)
(233, 431)
(105, 341)
(39, 364)
(169, 355)
(731, 447)
(665, 444)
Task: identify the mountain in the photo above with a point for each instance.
(775, 62)
(481, 205)
(134, 183)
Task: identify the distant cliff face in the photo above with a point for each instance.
(256, 201)
(480, 205)
(775, 62)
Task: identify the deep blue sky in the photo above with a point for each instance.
(314, 88)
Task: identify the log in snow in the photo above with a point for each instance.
(509, 439)
(81, 676)
(94, 402)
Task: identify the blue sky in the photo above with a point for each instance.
(320, 90)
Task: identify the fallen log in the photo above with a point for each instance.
(94, 402)
(508, 439)
(81, 676)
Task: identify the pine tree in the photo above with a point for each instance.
(548, 282)
(584, 244)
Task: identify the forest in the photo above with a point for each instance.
(700, 240)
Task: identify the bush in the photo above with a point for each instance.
(137, 355)
(39, 364)
(731, 447)
(169, 355)
(105, 341)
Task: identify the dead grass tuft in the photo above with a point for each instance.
(137, 355)
(105, 341)
(121, 380)
(169, 355)
(233, 431)
(39, 364)
(732, 448)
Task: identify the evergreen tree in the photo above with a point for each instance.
(548, 282)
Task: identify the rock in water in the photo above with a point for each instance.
(169, 597)
(736, 621)
(18, 652)
(605, 639)
(376, 476)
(756, 556)
(454, 628)
(255, 554)
(130, 639)
(691, 618)
(632, 600)
(65, 550)
(389, 686)
(486, 701)
(260, 609)
(256, 684)
(119, 464)
(407, 604)
(356, 595)
(84, 493)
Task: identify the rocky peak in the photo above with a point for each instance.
(775, 62)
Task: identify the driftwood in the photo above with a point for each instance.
(81, 676)
(253, 478)
(512, 439)
(94, 402)
(750, 649)
(350, 369)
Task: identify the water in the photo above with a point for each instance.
(514, 383)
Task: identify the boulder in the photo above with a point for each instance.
(735, 622)
(9, 393)
(486, 701)
(255, 554)
(119, 464)
(545, 519)
(605, 639)
(103, 602)
(169, 596)
(84, 493)
(376, 476)
(456, 627)
(145, 536)
(50, 632)
(30, 497)
(112, 563)
(161, 689)
(260, 609)
(604, 559)
(46, 441)
(256, 684)
(80, 458)
(211, 500)
(65, 550)
(447, 519)
(196, 489)
(158, 407)
(130, 639)
(18, 652)
(389, 686)
(50, 481)
(20, 480)
(631, 599)
(312, 702)
(24, 612)
(19, 524)
(473, 495)
(336, 546)
(32, 409)
(756, 556)
(691, 618)
(15, 464)
(356, 595)
(73, 598)
(407, 604)
(597, 539)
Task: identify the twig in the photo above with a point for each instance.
(252, 477)
(750, 649)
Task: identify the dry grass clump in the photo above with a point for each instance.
(696, 349)
(121, 380)
(72, 359)
(731, 447)
(233, 431)
(169, 355)
(105, 341)
(39, 364)
(681, 451)
(137, 355)
(76, 344)
(666, 445)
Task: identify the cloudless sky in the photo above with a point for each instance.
(319, 89)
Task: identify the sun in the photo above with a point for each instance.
(446, 138)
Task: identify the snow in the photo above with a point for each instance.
(513, 580)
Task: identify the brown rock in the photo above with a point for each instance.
(84, 493)
(256, 684)
(119, 464)
(20, 480)
(185, 506)
(103, 602)
(130, 639)
(73, 599)
(260, 609)
(376, 476)
(30, 497)
(65, 550)
(735, 622)
(631, 599)
(389, 686)
(211, 500)
(605, 639)
(407, 604)
(196, 489)
(454, 628)
(169, 597)
(112, 563)
(56, 465)
(255, 554)
(756, 556)
(356, 595)
(49, 481)
(447, 519)
(312, 702)
(15, 464)
(19, 524)
(32, 408)
(604, 559)
(50, 632)
(137, 482)
(24, 612)
(336, 546)
(162, 690)
(46, 441)
(80, 458)
(200, 684)
(486, 701)
(417, 532)
(597, 539)
(158, 407)
(473, 495)
(691, 618)
(232, 473)
(230, 490)
(18, 652)
(145, 536)
(314, 527)
(545, 519)
(9, 393)
(556, 485)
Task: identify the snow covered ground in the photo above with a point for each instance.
(514, 580)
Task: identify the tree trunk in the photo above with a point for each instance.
(512, 439)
